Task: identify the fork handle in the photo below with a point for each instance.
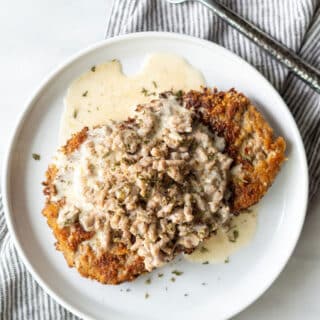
(287, 57)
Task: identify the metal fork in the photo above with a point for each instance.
(287, 57)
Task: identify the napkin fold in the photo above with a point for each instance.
(295, 23)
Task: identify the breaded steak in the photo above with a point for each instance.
(257, 155)
(157, 185)
(112, 267)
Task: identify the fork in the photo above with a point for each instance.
(287, 57)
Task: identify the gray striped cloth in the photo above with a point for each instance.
(295, 23)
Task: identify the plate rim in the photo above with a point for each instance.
(5, 185)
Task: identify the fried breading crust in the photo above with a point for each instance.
(113, 267)
(250, 142)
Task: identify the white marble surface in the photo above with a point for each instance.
(39, 34)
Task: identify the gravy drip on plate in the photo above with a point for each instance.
(104, 92)
(219, 247)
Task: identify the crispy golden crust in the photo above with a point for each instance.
(75, 141)
(233, 117)
(110, 267)
(250, 142)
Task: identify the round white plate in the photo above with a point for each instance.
(229, 287)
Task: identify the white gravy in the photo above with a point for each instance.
(219, 247)
(105, 92)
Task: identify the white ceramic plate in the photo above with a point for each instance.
(230, 287)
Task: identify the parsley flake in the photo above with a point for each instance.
(203, 250)
(179, 94)
(144, 91)
(236, 233)
(36, 156)
(177, 272)
(85, 93)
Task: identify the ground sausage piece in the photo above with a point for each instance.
(156, 183)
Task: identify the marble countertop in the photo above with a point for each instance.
(37, 36)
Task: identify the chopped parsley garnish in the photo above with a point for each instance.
(160, 275)
(235, 236)
(206, 262)
(148, 281)
(173, 279)
(154, 84)
(227, 260)
(177, 272)
(68, 221)
(146, 296)
(75, 113)
(93, 68)
(179, 94)
(36, 156)
(146, 93)
(85, 93)
(203, 250)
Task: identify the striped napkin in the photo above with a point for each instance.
(295, 23)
